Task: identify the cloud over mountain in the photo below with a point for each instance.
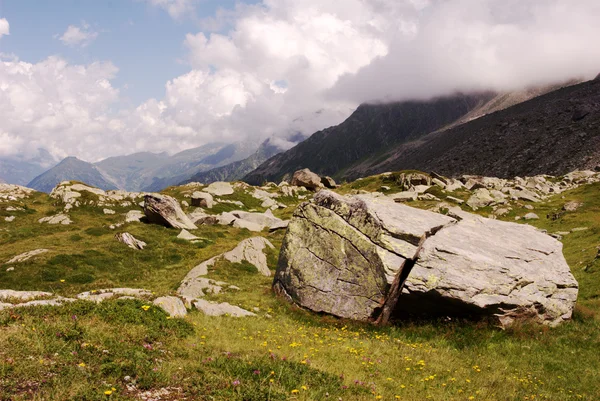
(281, 66)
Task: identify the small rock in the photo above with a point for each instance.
(9, 219)
(572, 206)
(130, 241)
(219, 188)
(172, 305)
(57, 219)
(214, 309)
(26, 256)
(528, 207)
(133, 216)
(108, 211)
(186, 235)
(328, 182)
(531, 216)
(203, 199)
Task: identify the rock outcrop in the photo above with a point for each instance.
(369, 258)
(165, 210)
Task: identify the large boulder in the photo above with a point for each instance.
(307, 179)
(369, 258)
(341, 255)
(165, 210)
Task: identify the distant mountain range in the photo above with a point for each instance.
(451, 135)
(237, 170)
(143, 171)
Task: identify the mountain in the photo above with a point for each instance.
(237, 170)
(184, 165)
(21, 169)
(551, 134)
(377, 137)
(370, 130)
(71, 169)
(127, 171)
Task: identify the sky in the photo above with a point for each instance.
(100, 78)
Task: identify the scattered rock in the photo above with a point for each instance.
(23, 295)
(57, 219)
(481, 198)
(9, 219)
(328, 182)
(108, 211)
(202, 199)
(406, 196)
(455, 200)
(133, 216)
(172, 305)
(219, 188)
(531, 216)
(186, 235)
(215, 309)
(307, 179)
(165, 210)
(101, 295)
(249, 225)
(252, 251)
(130, 241)
(579, 229)
(572, 206)
(26, 256)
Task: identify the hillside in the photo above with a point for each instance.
(371, 129)
(375, 136)
(71, 169)
(131, 349)
(550, 134)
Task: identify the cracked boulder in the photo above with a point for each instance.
(369, 258)
(341, 255)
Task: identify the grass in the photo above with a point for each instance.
(283, 353)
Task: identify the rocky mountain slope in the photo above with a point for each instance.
(550, 134)
(375, 135)
(371, 129)
(71, 168)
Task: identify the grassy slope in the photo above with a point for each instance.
(282, 350)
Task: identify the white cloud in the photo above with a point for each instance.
(482, 44)
(56, 106)
(175, 8)
(296, 65)
(4, 27)
(79, 36)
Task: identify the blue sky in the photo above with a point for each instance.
(273, 68)
(141, 40)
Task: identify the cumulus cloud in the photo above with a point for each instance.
(78, 36)
(57, 106)
(467, 45)
(4, 27)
